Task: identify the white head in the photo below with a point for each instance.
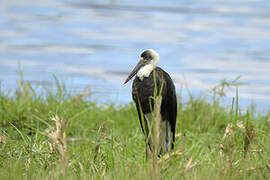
(148, 61)
(150, 55)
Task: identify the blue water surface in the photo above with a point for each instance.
(95, 44)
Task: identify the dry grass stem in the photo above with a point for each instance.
(189, 165)
(240, 124)
(3, 139)
(167, 156)
(156, 120)
(228, 131)
(82, 169)
(78, 139)
(27, 164)
(178, 135)
(58, 137)
(255, 150)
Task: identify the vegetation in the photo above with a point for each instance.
(59, 136)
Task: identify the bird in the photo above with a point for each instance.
(143, 88)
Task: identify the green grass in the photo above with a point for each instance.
(106, 142)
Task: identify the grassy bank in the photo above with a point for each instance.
(105, 142)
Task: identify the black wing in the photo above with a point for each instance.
(142, 90)
(169, 102)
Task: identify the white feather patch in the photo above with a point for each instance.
(145, 71)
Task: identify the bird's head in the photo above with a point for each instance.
(148, 61)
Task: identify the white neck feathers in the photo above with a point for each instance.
(145, 71)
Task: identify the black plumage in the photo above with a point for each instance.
(143, 88)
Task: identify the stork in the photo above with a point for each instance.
(142, 93)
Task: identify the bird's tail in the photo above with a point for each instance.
(164, 144)
(164, 141)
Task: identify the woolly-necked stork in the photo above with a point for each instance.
(142, 92)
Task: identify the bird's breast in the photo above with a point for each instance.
(142, 91)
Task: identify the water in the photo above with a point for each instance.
(96, 43)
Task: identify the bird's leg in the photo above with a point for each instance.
(148, 151)
(148, 142)
(167, 137)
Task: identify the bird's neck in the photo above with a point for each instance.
(145, 71)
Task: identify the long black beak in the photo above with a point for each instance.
(134, 71)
